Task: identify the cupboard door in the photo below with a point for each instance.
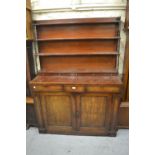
(58, 111)
(94, 110)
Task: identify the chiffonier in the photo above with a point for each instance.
(77, 88)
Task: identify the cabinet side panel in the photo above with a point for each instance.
(114, 119)
(38, 111)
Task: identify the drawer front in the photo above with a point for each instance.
(109, 89)
(74, 88)
(47, 88)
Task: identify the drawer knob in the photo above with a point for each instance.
(34, 87)
(74, 88)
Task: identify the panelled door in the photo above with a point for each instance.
(94, 113)
(58, 110)
(76, 113)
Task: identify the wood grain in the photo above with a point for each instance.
(93, 110)
(73, 46)
(75, 64)
(77, 21)
(77, 31)
(77, 90)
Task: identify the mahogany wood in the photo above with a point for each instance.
(123, 119)
(78, 88)
(76, 64)
(77, 21)
(82, 105)
(30, 114)
(123, 116)
(74, 46)
(77, 31)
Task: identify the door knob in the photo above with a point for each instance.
(74, 88)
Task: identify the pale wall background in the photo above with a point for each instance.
(59, 9)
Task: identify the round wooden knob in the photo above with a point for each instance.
(34, 87)
(74, 88)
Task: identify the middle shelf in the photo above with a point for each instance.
(62, 53)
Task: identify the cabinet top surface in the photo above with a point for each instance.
(97, 80)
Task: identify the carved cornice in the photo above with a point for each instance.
(76, 8)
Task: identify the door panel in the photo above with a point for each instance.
(58, 112)
(94, 113)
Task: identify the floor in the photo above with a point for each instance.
(48, 144)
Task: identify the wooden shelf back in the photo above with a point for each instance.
(76, 64)
(77, 31)
(78, 46)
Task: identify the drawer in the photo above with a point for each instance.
(112, 89)
(74, 88)
(47, 88)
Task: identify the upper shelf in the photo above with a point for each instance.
(74, 31)
(77, 21)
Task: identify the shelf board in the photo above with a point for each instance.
(76, 53)
(77, 21)
(63, 39)
(108, 71)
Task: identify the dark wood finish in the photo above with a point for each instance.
(126, 72)
(126, 59)
(94, 112)
(77, 90)
(30, 114)
(126, 25)
(77, 31)
(77, 53)
(73, 79)
(30, 73)
(72, 106)
(28, 76)
(82, 40)
(83, 46)
(76, 64)
(123, 119)
(123, 116)
(58, 116)
(29, 31)
(77, 21)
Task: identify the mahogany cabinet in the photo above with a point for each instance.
(77, 89)
(70, 106)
